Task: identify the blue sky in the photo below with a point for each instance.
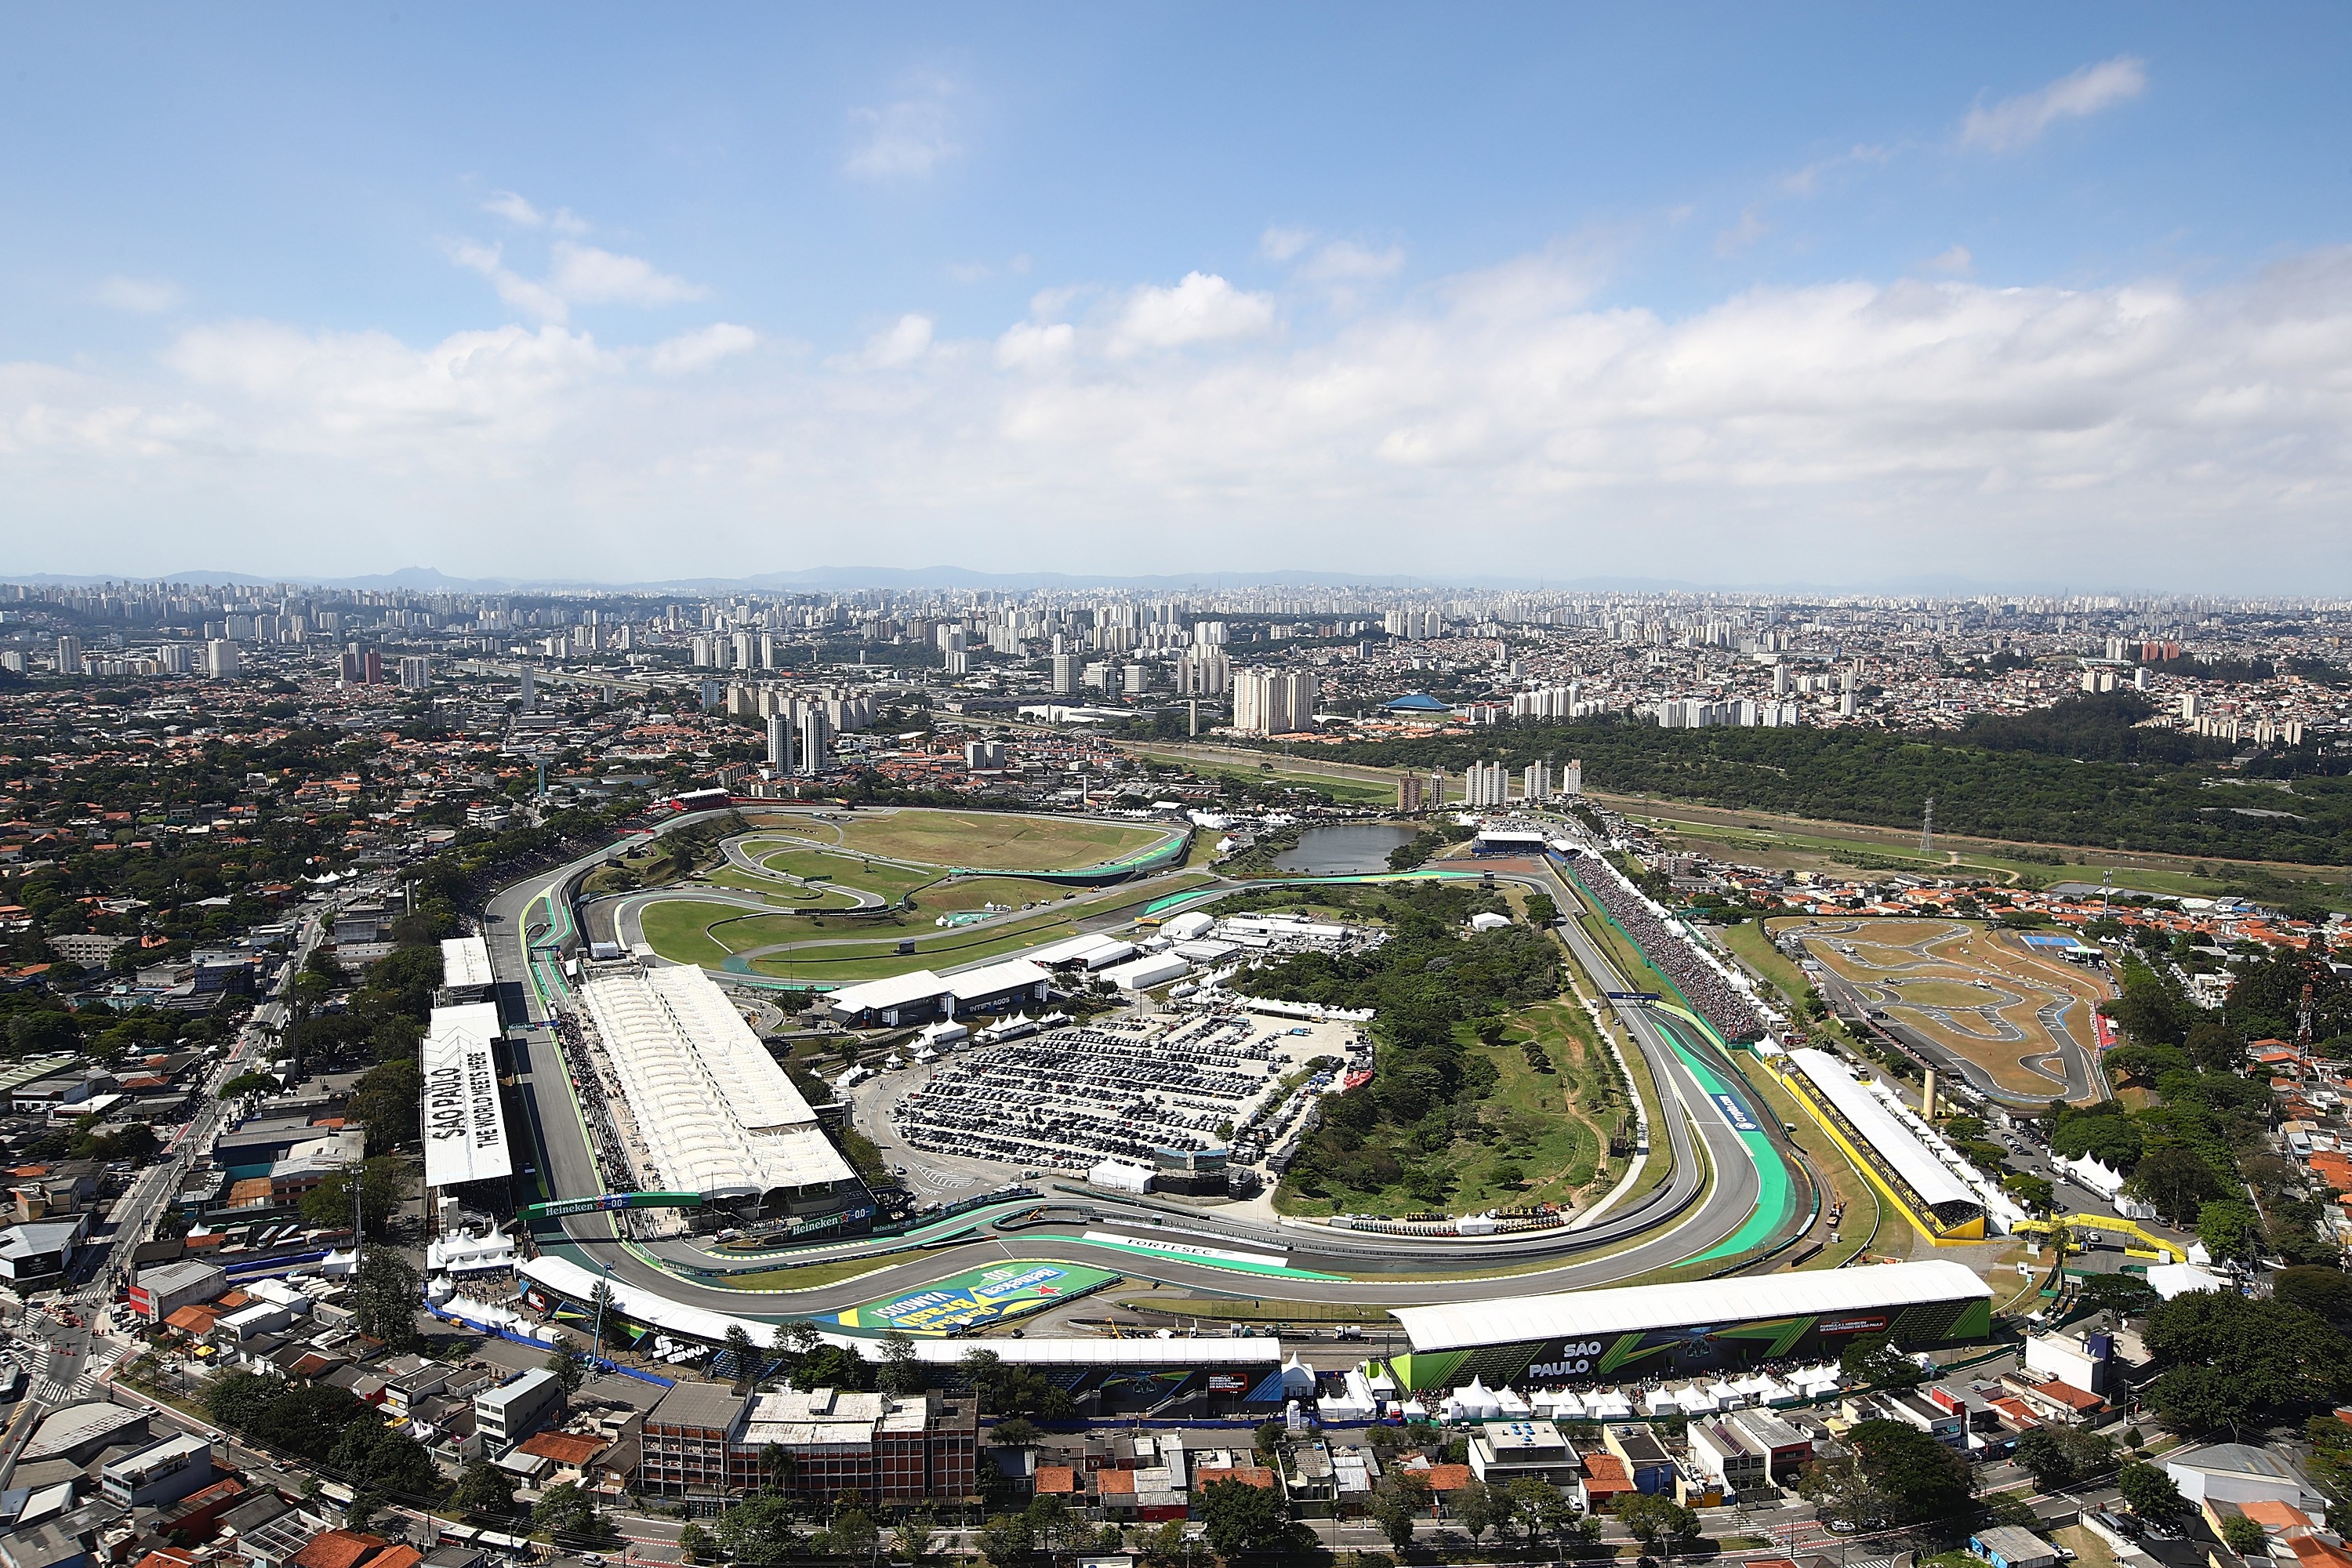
(1837, 295)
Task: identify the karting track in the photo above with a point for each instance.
(1729, 1189)
(1974, 1001)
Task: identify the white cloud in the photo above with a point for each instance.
(700, 349)
(906, 139)
(146, 295)
(518, 210)
(1032, 345)
(580, 275)
(902, 342)
(524, 295)
(1846, 432)
(1957, 261)
(1807, 181)
(585, 275)
(2017, 123)
(513, 208)
(1201, 307)
(1280, 243)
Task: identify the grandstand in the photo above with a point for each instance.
(1654, 1330)
(1930, 1194)
(713, 1112)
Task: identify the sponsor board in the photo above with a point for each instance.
(1734, 1113)
(970, 1299)
(1850, 1326)
(1187, 1249)
(1572, 1359)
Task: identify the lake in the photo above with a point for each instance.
(1344, 848)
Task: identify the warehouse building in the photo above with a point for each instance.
(1657, 1329)
(715, 1113)
(919, 997)
(1929, 1192)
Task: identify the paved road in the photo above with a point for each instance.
(1702, 1204)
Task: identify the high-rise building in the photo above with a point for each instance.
(415, 672)
(1408, 787)
(814, 736)
(68, 655)
(171, 659)
(1485, 785)
(1572, 777)
(1273, 701)
(220, 659)
(526, 698)
(780, 742)
(1535, 781)
(1138, 679)
(1065, 674)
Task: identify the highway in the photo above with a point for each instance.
(1712, 1204)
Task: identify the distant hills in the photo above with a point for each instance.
(842, 579)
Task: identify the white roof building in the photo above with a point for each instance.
(1593, 1314)
(911, 998)
(717, 1114)
(1937, 1185)
(466, 969)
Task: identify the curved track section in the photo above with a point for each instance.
(1727, 1191)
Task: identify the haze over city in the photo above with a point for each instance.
(1846, 298)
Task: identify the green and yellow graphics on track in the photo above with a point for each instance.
(980, 1296)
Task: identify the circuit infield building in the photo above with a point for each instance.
(1654, 1330)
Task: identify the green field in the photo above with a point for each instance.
(993, 840)
(848, 948)
(1537, 1136)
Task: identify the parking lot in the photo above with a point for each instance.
(1072, 1098)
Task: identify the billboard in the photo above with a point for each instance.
(977, 1297)
(464, 1122)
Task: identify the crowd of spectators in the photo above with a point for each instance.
(1671, 953)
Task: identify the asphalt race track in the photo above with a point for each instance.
(1705, 1202)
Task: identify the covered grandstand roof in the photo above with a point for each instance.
(465, 1123)
(1576, 1314)
(465, 963)
(574, 1283)
(716, 1112)
(1909, 1159)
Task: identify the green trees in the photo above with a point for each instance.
(1924, 1479)
(2242, 1535)
(2178, 1181)
(483, 1492)
(2230, 1230)
(382, 1182)
(2227, 1358)
(570, 1517)
(1397, 1504)
(899, 1372)
(1475, 1509)
(1012, 1391)
(2060, 1456)
(758, 1532)
(741, 1356)
(1238, 1518)
(1655, 1520)
(2150, 1492)
(384, 1299)
(1875, 1361)
(376, 1458)
(564, 1365)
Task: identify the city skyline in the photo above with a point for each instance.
(1837, 302)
